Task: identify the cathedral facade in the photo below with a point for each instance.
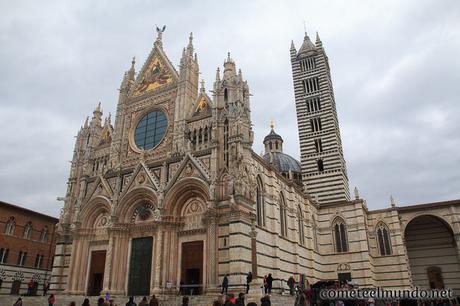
(172, 194)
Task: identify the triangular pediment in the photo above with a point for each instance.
(141, 177)
(156, 72)
(106, 135)
(189, 167)
(202, 105)
(100, 188)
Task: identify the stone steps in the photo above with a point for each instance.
(197, 300)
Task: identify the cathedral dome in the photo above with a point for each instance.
(272, 136)
(283, 162)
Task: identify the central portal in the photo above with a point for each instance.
(140, 266)
(192, 267)
(96, 273)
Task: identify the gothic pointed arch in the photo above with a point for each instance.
(260, 204)
(184, 189)
(93, 210)
(139, 203)
(283, 216)
(300, 224)
(339, 235)
(383, 239)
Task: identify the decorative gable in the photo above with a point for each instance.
(156, 72)
(141, 177)
(100, 188)
(189, 167)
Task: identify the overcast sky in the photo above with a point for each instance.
(395, 68)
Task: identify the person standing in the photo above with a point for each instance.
(248, 281)
(153, 301)
(18, 302)
(291, 283)
(30, 286)
(240, 300)
(51, 300)
(131, 301)
(46, 287)
(265, 284)
(85, 302)
(224, 285)
(265, 301)
(143, 302)
(184, 301)
(269, 283)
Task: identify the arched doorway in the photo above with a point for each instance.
(432, 252)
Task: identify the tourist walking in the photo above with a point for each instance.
(144, 302)
(248, 281)
(184, 301)
(30, 286)
(153, 301)
(18, 302)
(265, 301)
(51, 300)
(291, 284)
(269, 283)
(240, 300)
(46, 287)
(224, 285)
(265, 284)
(131, 301)
(85, 302)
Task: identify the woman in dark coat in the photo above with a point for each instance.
(269, 283)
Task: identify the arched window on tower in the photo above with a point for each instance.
(225, 95)
(301, 226)
(28, 231)
(10, 225)
(226, 146)
(383, 239)
(340, 235)
(283, 217)
(320, 165)
(260, 206)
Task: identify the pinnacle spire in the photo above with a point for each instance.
(190, 45)
(98, 108)
(218, 74)
(202, 89)
(132, 71)
(318, 40)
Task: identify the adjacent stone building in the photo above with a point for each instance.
(27, 241)
(173, 194)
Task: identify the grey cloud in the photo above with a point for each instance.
(394, 68)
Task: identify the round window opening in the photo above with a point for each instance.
(150, 130)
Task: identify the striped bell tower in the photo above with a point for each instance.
(324, 172)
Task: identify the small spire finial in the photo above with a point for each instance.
(98, 108)
(305, 27)
(190, 38)
(202, 85)
(133, 62)
(356, 193)
(272, 124)
(392, 201)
